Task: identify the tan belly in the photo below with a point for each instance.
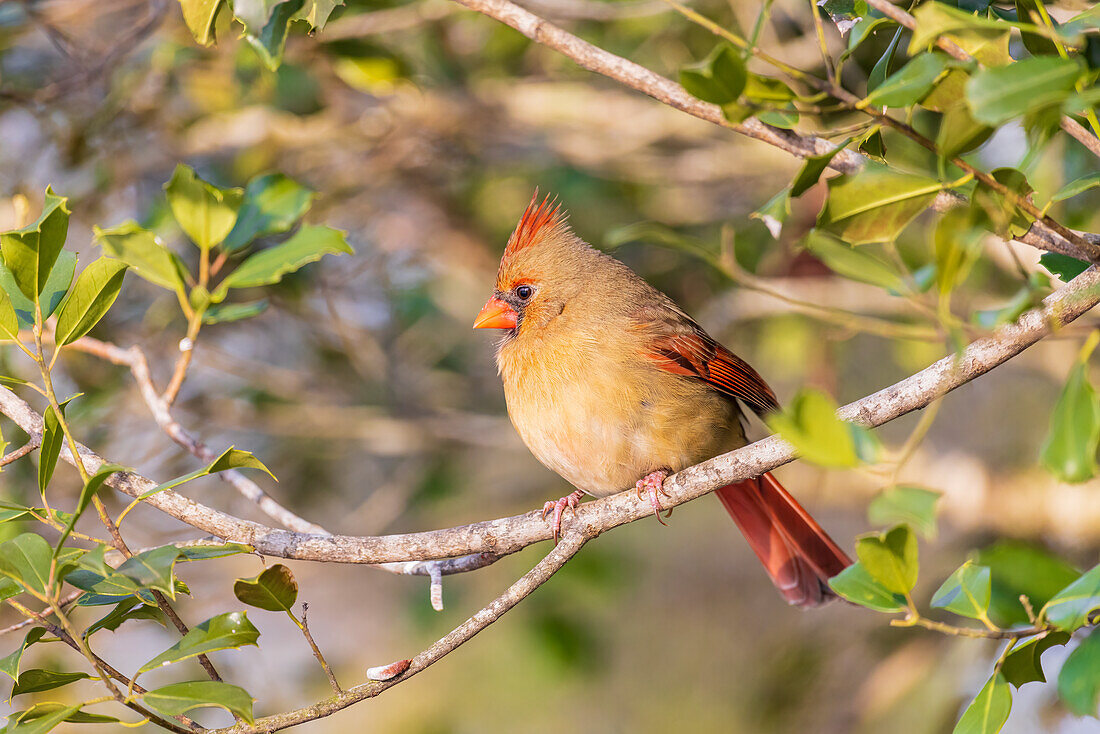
(602, 437)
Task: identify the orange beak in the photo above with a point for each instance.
(496, 314)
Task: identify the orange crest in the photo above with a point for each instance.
(536, 221)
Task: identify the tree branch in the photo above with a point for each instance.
(508, 535)
(672, 94)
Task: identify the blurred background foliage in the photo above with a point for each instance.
(424, 128)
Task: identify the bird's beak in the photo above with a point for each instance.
(496, 314)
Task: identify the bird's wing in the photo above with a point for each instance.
(679, 345)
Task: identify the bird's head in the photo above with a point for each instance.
(541, 270)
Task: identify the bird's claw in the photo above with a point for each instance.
(558, 508)
(654, 484)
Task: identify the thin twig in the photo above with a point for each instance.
(304, 627)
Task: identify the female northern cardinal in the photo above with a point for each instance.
(612, 385)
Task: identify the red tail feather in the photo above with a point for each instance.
(798, 555)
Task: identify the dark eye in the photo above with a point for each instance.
(524, 292)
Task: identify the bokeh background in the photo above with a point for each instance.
(425, 128)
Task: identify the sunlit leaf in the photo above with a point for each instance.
(44, 723)
(231, 458)
(206, 552)
(36, 679)
(179, 698)
(858, 587)
(199, 15)
(152, 569)
(230, 630)
(267, 267)
(146, 255)
(811, 170)
(1076, 187)
(126, 610)
(57, 285)
(270, 42)
(271, 204)
(204, 212)
(809, 423)
(995, 96)
(29, 253)
(52, 439)
(1079, 679)
(26, 559)
(959, 132)
(224, 313)
(316, 12)
(989, 710)
(9, 322)
(915, 506)
(966, 592)
(89, 299)
(1070, 608)
(9, 664)
(890, 558)
(909, 84)
(1019, 569)
(274, 589)
(875, 204)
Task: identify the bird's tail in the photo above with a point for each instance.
(798, 555)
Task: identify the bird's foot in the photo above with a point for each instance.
(558, 508)
(654, 484)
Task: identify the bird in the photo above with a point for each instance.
(613, 386)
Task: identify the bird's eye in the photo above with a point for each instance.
(524, 292)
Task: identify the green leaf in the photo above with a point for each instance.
(966, 592)
(230, 630)
(254, 14)
(890, 558)
(316, 12)
(812, 168)
(143, 251)
(179, 698)
(881, 69)
(809, 423)
(1079, 681)
(1076, 187)
(719, 79)
(129, 608)
(854, 263)
(205, 552)
(48, 708)
(90, 490)
(875, 204)
(93, 294)
(224, 313)
(52, 439)
(997, 95)
(26, 560)
(199, 15)
(1069, 451)
(36, 679)
(910, 84)
(152, 569)
(989, 710)
(9, 322)
(57, 285)
(270, 42)
(1070, 608)
(274, 589)
(30, 253)
(231, 458)
(44, 723)
(1020, 569)
(858, 587)
(9, 664)
(1065, 267)
(204, 212)
(267, 267)
(271, 204)
(775, 212)
(959, 132)
(1024, 663)
(915, 506)
(956, 245)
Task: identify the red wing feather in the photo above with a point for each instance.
(697, 355)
